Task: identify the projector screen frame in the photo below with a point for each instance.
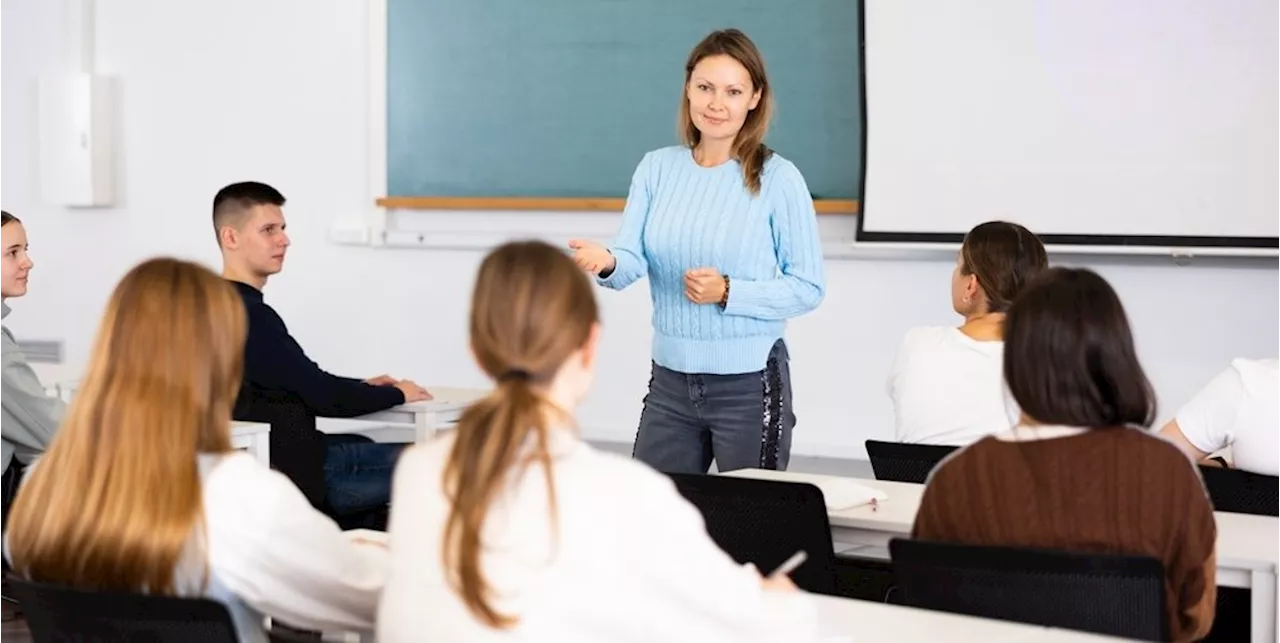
(1176, 245)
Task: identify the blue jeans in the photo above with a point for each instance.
(357, 473)
(740, 421)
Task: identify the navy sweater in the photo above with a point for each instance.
(274, 361)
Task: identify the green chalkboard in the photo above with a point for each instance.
(561, 98)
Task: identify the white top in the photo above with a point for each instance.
(948, 388)
(1241, 408)
(633, 561)
(270, 552)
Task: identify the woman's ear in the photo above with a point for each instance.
(755, 100)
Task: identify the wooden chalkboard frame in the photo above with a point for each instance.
(560, 204)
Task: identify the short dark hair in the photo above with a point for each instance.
(6, 218)
(1004, 256)
(1069, 356)
(231, 203)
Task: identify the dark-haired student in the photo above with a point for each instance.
(1080, 472)
(946, 383)
(512, 528)
(31, 415)
(250, 227)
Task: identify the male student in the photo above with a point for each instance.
(251, 234)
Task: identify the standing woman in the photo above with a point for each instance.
(726, 231)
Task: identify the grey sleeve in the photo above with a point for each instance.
(31, 416)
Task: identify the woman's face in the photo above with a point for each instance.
(720, 96)
(17, 265)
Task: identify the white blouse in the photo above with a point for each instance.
(1240, 408)
(948, 388)
(270, 552)
(631, 560)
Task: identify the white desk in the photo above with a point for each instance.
(430, 416)
(254, 437)
(1248, 547)
(846, 619)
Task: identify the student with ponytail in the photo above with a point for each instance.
(726, 231)
(512, 527)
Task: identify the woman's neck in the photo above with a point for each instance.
(986, 327)
(710, 153)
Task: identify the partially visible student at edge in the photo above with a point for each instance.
(30, 416)
(250, 227)
(946, 385)
(511, 527)
(1080, 472)
(726, 231)
(141, 491)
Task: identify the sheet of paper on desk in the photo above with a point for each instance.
(847, 494)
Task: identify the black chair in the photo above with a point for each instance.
(1101, 593)
(298, 449)
(61, 614)
(764, 522)
(1242, 492)
(903, 462)
(9, 490)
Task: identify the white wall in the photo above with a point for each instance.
(273, 90)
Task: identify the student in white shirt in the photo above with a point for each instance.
(141, 489)
(1239, 408)
(512, 528)
(946, 384)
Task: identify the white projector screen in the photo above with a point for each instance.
(1088, 121)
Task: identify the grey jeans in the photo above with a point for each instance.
(740, 421)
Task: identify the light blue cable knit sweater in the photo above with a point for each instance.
(680, 215)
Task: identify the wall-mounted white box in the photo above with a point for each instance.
(74, 139)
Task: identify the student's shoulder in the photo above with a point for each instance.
(618, 476)
(1255, 375)
(9, 346)
(424, 458)
(923, 337)
(238, 482)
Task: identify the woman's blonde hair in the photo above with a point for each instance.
(748, 147)
(116, 500)
(531, 309)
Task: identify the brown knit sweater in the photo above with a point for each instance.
(1108, 490)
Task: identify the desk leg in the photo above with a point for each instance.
(424, 426)
(261, 448)
(1262, 607)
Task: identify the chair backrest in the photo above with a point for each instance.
(1102, 593)
(1242, 492)
(297, 449)
(9, 490)
(764, 522)
(903, 462)
(62, 614)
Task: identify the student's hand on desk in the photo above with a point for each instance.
(592, 257)
(704, 285)
(412, 392)
(381, 380)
